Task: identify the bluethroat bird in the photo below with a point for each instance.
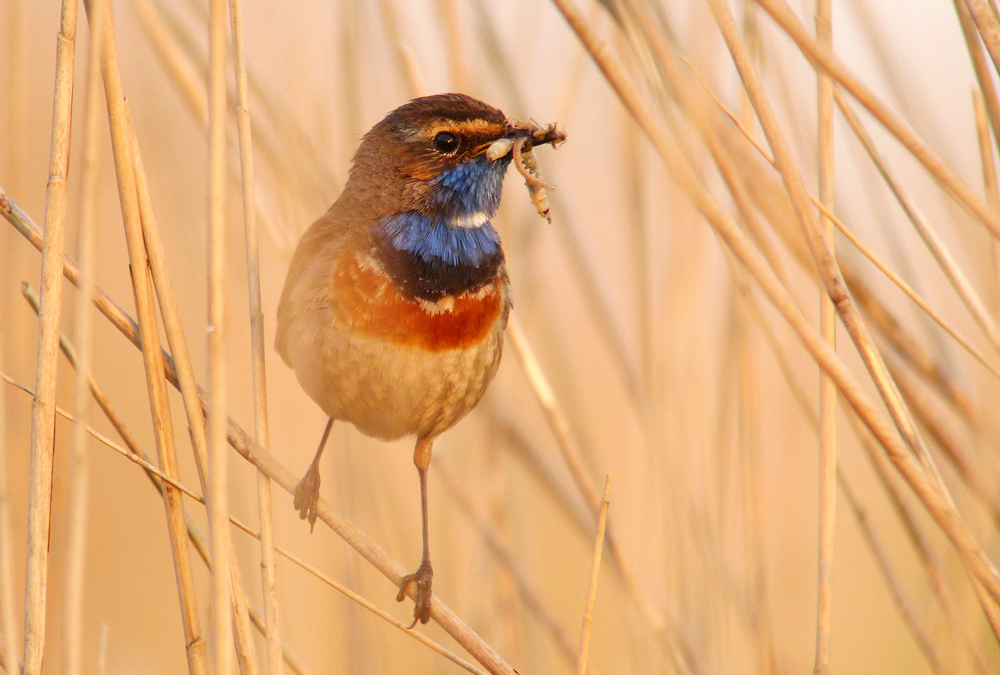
(394, 308)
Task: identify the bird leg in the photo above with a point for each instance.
(424, 574)
(307, 491)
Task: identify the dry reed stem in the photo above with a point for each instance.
(9, 643)
(218, 473)
(138, 455)
(249, 450)
(43, 410)
(931, 492)
(371, 607)
(440, 612)
(290, 658)
(986, 23)
(571, 455)
(827, 389)
(152, 355)
(825, 60)
(942, 255)
(990, 185)
(912, 295)
(264, 508)
(906, 347)
(588, 615)
(983, 77)
(78, 469)
(174, 331)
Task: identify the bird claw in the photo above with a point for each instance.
(422, 594)
(307, 496)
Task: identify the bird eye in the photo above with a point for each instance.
(445, 143)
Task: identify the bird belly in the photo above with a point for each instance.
(393, 365)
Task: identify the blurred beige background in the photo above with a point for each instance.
(627, 297)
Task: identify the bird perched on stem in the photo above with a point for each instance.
(394, 308)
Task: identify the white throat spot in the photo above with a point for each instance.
(472, 220)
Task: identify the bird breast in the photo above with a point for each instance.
(391, 364)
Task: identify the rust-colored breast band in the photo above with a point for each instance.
(369, 303)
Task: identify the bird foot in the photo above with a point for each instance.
(422, 594)
(307, 496)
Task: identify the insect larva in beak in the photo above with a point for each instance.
(527, 166)
(499, 148)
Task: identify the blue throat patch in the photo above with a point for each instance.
(426, 255)
(439, 244)
(471, 187)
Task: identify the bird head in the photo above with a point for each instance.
(430, 156)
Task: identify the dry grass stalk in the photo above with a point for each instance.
(43, 411)
(986, 22)
(77, 491)
(827, 389)
(9, 642)
(588, 615)
(152, 355)
(822, 252)
(923, 546)
(986, 89)
(990, 185)
(268, 572)
(218, 474)
(188, 386)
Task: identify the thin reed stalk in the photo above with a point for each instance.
(257, 349)
(77, 497)
(9, 642)
(827, 389)
(43, 411)
(588, 615)
(152, 355)
(218, 474)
